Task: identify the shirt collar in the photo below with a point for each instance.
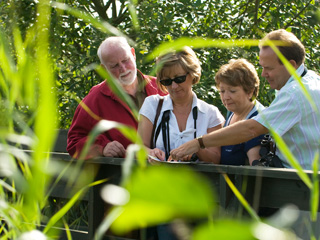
(299, 72)
(168, 105)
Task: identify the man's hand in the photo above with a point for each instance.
(114, 149)
(182, 152)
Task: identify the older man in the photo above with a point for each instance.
(290, 114)
(119, 59)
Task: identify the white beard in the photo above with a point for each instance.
(129, 79)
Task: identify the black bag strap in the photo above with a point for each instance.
(304, 72)
(155, 120)
(164, 126)
(195, 117)
(165, 132)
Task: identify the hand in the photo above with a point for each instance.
(158, 154)
(186, 158)
(114, 149)
(185, 149)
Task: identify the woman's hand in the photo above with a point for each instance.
(158, 154)
(185, 150)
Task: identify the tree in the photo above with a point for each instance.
(74, 42)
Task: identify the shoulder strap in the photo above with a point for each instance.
(155, 120)
(304, 72)
(165, 132)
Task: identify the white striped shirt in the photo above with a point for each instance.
(294, 119)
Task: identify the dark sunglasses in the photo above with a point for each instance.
(168, 82)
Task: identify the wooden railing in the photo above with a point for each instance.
(264, 187)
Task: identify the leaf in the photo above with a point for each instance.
(224, 229)
(160, 194)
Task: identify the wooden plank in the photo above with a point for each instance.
(276, 193)
(97, 206)
(61, 141)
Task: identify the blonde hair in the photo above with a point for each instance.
(186, 58)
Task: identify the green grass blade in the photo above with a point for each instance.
(292, 71)
(314, 199)
(199, 43)
(242, 200)
(107, 221)
(105, 125)
(133, 13)
(117, 89)
(7, 186)
(55, 218)
(282, 146)
(68, 233)
(132, 151)
(58, 178)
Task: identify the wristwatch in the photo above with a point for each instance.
(200, 140)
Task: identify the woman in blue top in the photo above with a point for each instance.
(238, 83)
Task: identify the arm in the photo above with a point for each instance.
(80, 128)
(145, 127)
(211, 154)
(82, 124)
(253, 154)
(234, 134)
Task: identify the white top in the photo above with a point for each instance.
(208, 116)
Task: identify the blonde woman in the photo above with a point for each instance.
(183, 116)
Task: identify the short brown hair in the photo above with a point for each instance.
(186, 58)
(293, 51)
(239, 72)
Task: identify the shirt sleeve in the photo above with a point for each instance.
(282, 114)
(78, 135)
(215, 117)
(149, 107)
(253, 143)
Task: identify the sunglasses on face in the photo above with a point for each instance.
(168, 82)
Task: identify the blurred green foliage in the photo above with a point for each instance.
(46, 52)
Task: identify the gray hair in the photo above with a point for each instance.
(112, 41)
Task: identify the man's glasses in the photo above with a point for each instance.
(168, 82)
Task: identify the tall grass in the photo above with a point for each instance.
(29, 119)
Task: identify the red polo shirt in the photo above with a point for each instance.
(105, 105)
